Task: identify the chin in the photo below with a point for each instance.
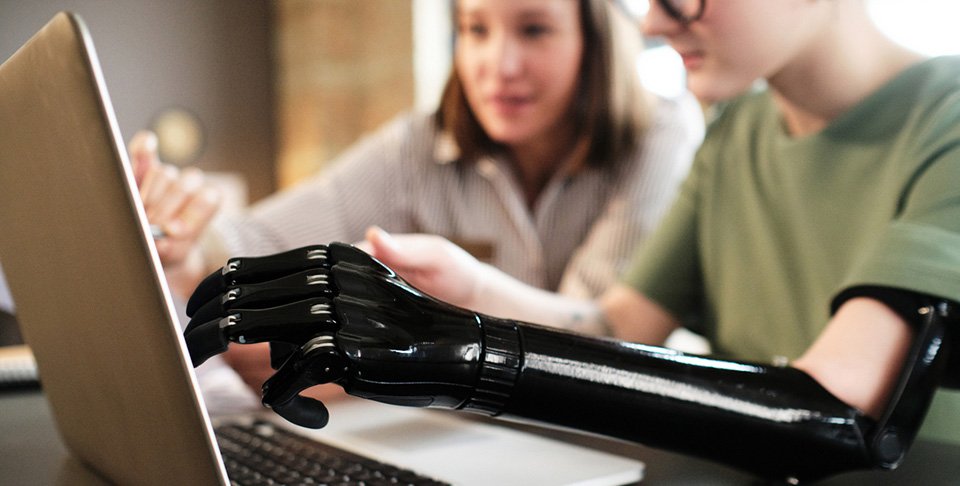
(507, 134)
(709, 89)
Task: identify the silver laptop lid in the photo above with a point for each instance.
(91, 299)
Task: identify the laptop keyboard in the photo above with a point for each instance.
(262, 454)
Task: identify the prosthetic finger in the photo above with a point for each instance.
(265, 277)
(291, 323)
(256, 269)
(272, 293)
(316, 362)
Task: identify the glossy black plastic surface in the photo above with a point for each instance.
(393, 344)
(404, 348)
(335, 315)
(774, 421)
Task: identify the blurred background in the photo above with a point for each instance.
(263, 93)
(269, 91)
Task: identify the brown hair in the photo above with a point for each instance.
(611, 108)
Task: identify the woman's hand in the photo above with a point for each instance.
(447, 272)
(430, 263)
(181, 203)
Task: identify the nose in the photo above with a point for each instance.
(657, 22)
(507, 56)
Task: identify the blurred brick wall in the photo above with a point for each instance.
(343, 68)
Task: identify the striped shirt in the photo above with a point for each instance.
(577, 239)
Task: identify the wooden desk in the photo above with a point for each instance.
(31, 453)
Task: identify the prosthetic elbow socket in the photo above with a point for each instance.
(776, 422)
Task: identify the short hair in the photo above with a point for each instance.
(611, 109)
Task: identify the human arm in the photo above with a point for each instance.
(861, 374)
(443, 270)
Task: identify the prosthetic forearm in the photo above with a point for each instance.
(349, 320)
(773, 421)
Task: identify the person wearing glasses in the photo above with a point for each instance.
(816, 243)
(820, 201)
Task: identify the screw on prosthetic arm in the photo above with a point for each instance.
(349, 320)
(774, 421)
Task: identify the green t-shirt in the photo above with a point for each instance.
(768, 227)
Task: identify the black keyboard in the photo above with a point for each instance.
(263, 454)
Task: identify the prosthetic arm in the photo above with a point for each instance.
(335, 315)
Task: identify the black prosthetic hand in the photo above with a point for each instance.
(335, 315)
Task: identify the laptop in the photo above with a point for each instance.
(94, 307)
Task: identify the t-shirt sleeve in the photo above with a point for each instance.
(919, 250)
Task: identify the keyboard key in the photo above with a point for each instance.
(261, 454)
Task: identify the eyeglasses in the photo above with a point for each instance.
(684, 11)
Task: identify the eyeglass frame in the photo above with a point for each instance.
(680, 17)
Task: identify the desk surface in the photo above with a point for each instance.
(31, 453)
